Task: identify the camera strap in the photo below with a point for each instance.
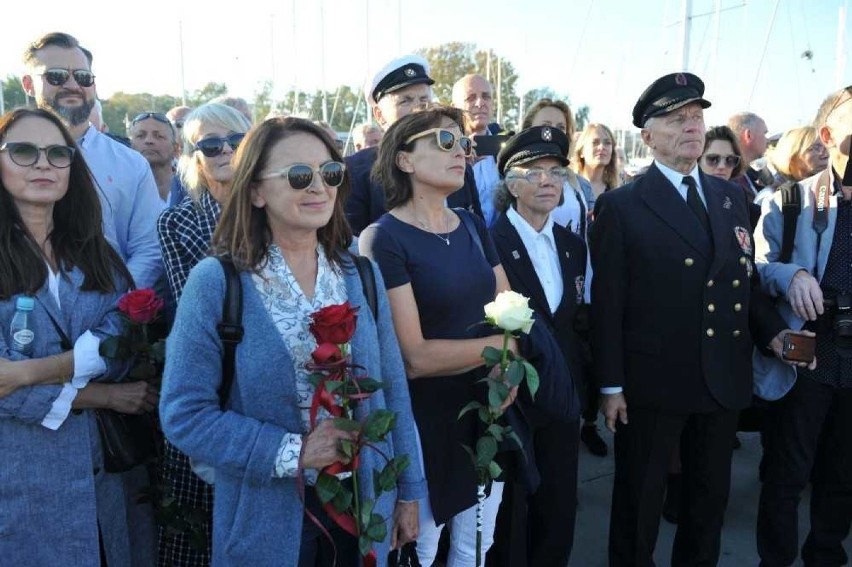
(822, 205)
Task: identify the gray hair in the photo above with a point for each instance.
(742, 121)
(189, 166)
(503, 198)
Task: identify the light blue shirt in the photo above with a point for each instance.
(131, 204)
(487, 177)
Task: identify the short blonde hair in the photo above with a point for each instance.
(787, 157)
(215, 114)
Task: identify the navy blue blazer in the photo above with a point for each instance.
(674, 309)
(366, 202)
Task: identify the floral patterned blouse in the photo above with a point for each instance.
(290, 310)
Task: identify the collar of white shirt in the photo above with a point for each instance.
(527, 233)
(676, 179)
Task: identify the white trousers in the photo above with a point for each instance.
(462, 532)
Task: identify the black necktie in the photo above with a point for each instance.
(694, 202)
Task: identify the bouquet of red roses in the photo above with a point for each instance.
(339, 386)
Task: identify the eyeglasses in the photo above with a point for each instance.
(446, 140)
(213, 146)
(58, 77)
(537, 174)
(26, 154)
(301, 176)
(713, 160)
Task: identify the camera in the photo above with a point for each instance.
(839, 311)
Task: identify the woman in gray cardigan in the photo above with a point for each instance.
(285, 230)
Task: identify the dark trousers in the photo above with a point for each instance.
(808, 436)
(316, 550)
(538, 529)
(643, 452)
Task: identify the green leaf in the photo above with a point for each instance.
(494, 470)
(495, 431)
(471, 406)
(327, 487)
(332, 385)
(369, 385)
(364, 544)
(494, 399)
(342, 501)
(378, 424)
(143, 370)
(484, 415)
(486, 450)
(511, 435)
(532, 378)
(349, 448)
(400, 463)
(377, 530)
(470, 452)
(114, 347)
(365, 513)
(387, 479)
(491, 355)
(345, 424)
(158, 351)
(515, 373)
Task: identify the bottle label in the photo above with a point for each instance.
(23, 339)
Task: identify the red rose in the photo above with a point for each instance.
(334, 324)
(141, 306)
(327, 353)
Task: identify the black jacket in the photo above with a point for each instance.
(674, 310)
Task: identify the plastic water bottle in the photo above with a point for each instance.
(21, 328)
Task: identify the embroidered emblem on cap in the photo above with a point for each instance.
(409, 72)
(680, 79)
(546, 134)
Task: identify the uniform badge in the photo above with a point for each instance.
(744, 240)
(580, 287)
(749, 267)
(680, 79)
(516, 255)
(727, 204)
(546, 134)
(409, 72)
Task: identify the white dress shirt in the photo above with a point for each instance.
(541, 248)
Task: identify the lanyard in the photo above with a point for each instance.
(821, 208)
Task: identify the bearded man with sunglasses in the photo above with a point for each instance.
(60, 79)
(399, 88)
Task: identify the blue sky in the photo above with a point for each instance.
(602, 53)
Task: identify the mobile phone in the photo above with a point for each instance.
(799, 347)
(489, 145)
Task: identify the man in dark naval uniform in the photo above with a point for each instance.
(676, 311)
(398, 89)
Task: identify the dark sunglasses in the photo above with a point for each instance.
(158, 116)
(26, 154)
(301, 176)
(58, 77)
(713, 160)
(446, 140)
(212, 147)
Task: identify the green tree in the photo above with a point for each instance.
(451, 61)
(121, 107)
(206, 93)
(13, 93)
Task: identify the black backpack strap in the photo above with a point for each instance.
(230, 328)
(791, 207)
(467, 221)
(368, 282)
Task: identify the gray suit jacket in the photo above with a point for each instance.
(772, 378)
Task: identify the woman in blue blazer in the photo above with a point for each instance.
(59, 507)
(285, 231)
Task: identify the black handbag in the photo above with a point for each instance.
(127, 440)
(404, 557)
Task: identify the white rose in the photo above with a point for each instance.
(510, 311)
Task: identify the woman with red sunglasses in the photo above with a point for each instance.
(211, 134)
